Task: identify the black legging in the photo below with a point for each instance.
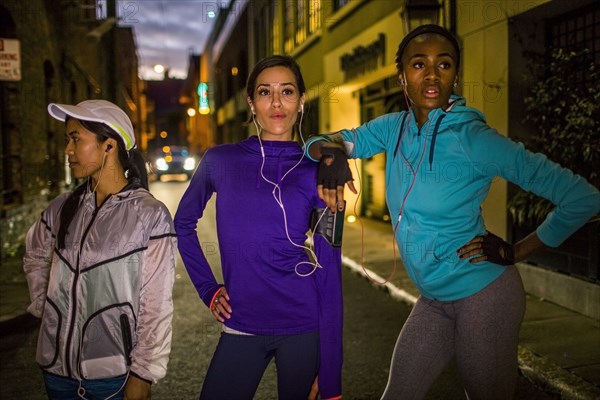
(240, 361)
(481, 331)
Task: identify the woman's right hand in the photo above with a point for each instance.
(220, 306)
(137, 389)
(333, 173)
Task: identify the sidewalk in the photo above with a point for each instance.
(559, 349)
(14, 296)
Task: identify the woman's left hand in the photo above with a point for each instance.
(488, 247)
(137, 389)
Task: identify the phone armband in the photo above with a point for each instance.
(330, 225)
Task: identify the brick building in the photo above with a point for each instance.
(68, 52)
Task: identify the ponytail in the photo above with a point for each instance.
(136, 171)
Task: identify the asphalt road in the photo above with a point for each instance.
(372, 322)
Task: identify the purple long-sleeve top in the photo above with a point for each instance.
(261, 266)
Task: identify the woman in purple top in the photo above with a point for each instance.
(275, 302)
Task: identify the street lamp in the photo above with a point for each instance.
(420, 12)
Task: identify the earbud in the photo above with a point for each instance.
(108, 147)
(302, 107)
(403, 79)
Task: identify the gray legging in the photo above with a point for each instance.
(481, 331)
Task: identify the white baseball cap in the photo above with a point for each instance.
(98, 111)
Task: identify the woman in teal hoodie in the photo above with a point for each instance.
(441, 160)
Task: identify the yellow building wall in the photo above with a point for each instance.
(482, 27)
(340, 100)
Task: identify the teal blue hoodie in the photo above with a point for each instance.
(438, 177)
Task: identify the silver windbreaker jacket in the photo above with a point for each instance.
(106, 307)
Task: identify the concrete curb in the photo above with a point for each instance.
(554, 379)
(542, 372)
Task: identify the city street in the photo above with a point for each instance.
(372, 322)
(470, 129)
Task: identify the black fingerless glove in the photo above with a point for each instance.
(497, 250)
(333, 168)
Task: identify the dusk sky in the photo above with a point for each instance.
(167, 31)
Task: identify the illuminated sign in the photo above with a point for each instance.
(203, 107)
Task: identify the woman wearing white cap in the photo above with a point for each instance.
(100, 265)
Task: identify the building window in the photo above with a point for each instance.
(92, 10)
(337, 4)
(301, 21)
(276, 49)
(576, 32)
(314, 16)
(290, 26)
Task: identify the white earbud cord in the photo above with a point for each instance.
(81, 389)
(278, 199)
(87, 192)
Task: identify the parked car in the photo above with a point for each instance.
(173, 160)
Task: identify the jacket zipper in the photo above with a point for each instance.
(419, 281)
(74, 297)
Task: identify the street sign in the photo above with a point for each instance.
(10, 60)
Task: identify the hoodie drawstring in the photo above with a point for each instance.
(432, 146)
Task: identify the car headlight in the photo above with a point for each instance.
(161, 164)
(189, 164)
